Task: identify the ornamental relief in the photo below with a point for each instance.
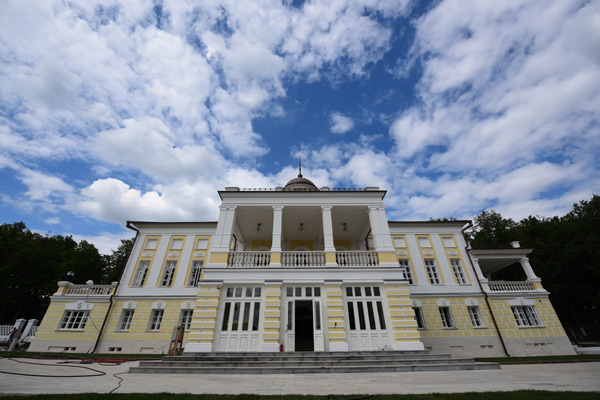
(453, 253)
(173, 254)
(199, 254)
(428, 253)
(147, 254)
(402, 253)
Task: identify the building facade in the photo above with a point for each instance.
(301, 268)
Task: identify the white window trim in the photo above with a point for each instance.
(193, 278)
(432, 272)
(126, 313)
(459, 271)
(447, 320)
(168, 274)
(476, 316)
(141, 274)
(156, 317)
(70, 316)
(407, 271)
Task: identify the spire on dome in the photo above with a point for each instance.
(300, 183)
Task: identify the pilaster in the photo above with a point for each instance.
(272, 317)
(335, 317)
(204, 320)
(405, 335)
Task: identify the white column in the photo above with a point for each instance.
(221, 241)
(380, 229)
(276, 238)
(328, 234)
(484, 281)
(528, 270)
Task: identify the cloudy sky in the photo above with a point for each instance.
(141, 110)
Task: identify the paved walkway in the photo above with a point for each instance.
(61, 377)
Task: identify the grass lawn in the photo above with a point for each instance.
(517, 395)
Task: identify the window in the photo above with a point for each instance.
(151, 244)
(303, 292)
(446, 316)
(432, 272)
(167, 279)
(475, 315)
(155, 320)
(202, 244)
(185, 319)
(142, 272)
(195, 273)
(176, 244)
(419, 317)
(407, 271)
(526, 316)
(74, 320)
(242, 311)
(459, 273)
(365, 308)
(125, 321)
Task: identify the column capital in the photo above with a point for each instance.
(223, 207)
(278, 207)
(326, 208)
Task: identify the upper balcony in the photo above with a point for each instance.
(302, 259)
(489, 262)
(87, 290)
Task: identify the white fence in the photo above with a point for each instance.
(249, 259)
(502, 286)
(302, 258)
(356, 258)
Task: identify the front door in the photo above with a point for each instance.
(304, 340)
(303, 319)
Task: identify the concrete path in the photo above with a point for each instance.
(56, 376)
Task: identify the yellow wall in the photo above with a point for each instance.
(507, 324)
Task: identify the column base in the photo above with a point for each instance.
(198, 348)
(338, 346)
(408, 346)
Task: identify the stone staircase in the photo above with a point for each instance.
(307, 363)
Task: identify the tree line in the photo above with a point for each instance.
(31, 264)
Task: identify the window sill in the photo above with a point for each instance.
(70, 330)
(480, 327)
(531, 327)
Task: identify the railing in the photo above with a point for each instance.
(28, 336)
(302, 258)
(249, 259)
(356, 258)
(89, 290)
(500, 286)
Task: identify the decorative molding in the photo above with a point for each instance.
(173, 254)
(428, 253)
(187, 305)
(402, 253)
(443, 303)
(79, 306)
(471, 302)
(130, 305)
(147, 254)
(521, 302)
(453, 253)
(416, 303)
(199, 254)
(159, 305)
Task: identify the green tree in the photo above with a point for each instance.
(115, 263)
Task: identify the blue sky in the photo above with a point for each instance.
(142, 110)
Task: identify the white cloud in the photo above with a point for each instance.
(340, 123)
(105, 242)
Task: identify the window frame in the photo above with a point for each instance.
(526, 316)
(155, 321)
(168, 276)
(407, 270)
(185, 318)
(419, 317)
(125, 319)
(194, 279)
(72, 317)
(136, 278)
(432, 272)
(447, 317)
(459, 271)
(476, 317)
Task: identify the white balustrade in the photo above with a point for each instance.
(302, 258)
(249, 259)
(505, 286)
(356, 258)
(89, 290)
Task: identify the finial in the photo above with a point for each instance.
(299, 166)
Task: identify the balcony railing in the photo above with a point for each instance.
(89, 290)
(249, 259)
(302, 258)
(501, 286)
(356, 258)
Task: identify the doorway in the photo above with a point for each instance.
(303, 321)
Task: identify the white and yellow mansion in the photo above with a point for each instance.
(298, 268)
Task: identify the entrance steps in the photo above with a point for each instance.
(307, 363)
